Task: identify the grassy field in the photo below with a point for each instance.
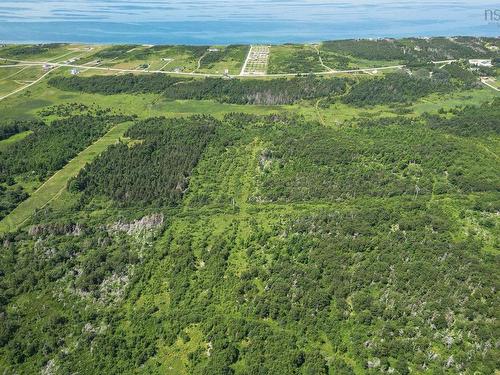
(338, 113)
(185, 59)
(434, 102)
(56, 184)
(294, 58)
(27, 103)
(221, 58)
(304, 58)
(342, 61)
(56, 54)
(16, 77)
(168, 58)
(15, 138)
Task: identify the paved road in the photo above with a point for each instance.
(329, 72)
(111, 69)
(86, 67)
(243, 68)
(18, 65)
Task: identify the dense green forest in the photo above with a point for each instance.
(128, 83)
(338, 165)
(22, 51)
(11, 128)
(398, 87)
(470, 120)
(195, 51)
(367, 269)
(404, 87)
(367, 49)
(269, 92)
(114, 51)
(412, 49)
(10, 197)
(167, 152)
(48, 148)
(344, 225)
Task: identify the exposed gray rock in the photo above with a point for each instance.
(146, 223)
(73, 229)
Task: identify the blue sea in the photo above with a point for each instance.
(244, 21)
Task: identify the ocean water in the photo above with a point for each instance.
(228, 21)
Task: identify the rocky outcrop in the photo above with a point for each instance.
(73, 229)
(146, 223)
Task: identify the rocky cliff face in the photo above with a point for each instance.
(147, 222)
(39, 230)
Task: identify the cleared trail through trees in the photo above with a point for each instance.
(321, 59)
(56, 184)
(199, 62)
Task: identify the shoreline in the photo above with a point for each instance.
(315, 41)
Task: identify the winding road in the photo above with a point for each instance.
(194, 74)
